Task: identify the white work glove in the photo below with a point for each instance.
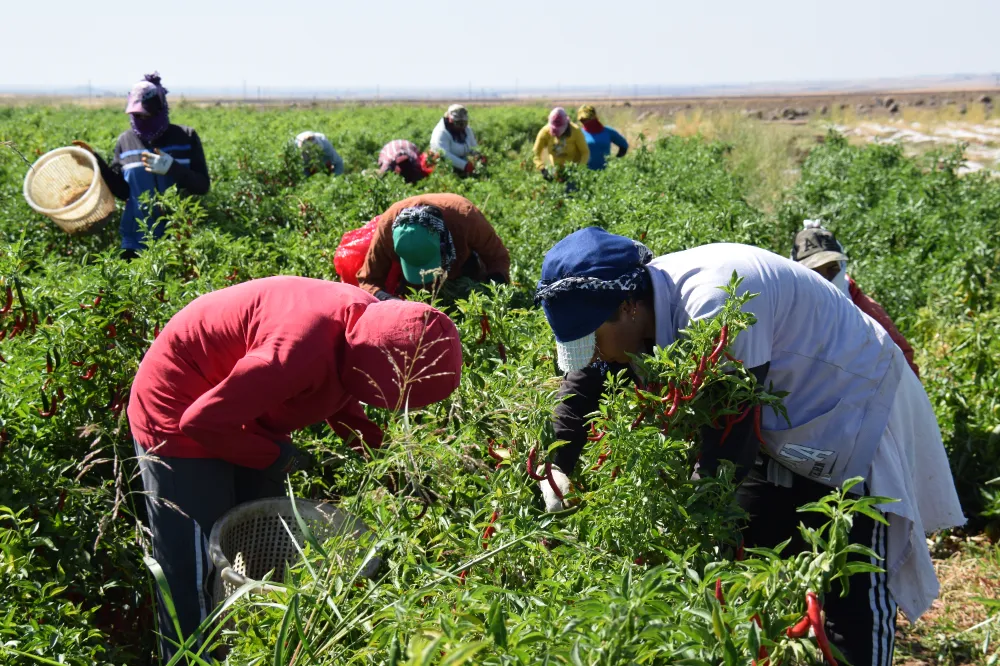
(158, 163)
(552, 501)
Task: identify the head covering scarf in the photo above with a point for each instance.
(148, 96)
(587, 116)
(431, 218)
(401, 353)
(558, 121)
(456, 113)
(585, 278)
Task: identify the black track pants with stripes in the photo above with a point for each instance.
(862, 625)
(203, 489)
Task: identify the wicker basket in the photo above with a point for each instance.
(250, 540)
(66, 186)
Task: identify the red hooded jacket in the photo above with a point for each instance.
(871, 307)
(240, 368)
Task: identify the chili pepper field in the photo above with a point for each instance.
(643, 568)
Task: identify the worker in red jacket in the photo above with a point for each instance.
(235, 372)
(816, 248)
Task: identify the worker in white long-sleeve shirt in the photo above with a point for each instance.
(455, 140)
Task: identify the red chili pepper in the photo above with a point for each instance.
(594, 435)
(89, 374)
(733, 358)
(800, 629)
(600, 461)
(62, 500)
(3, 440)
(484, 329)
(156, 331)
(461, 577)
(78, 364)
(2, 359)
(639, 560)
(97, 300)
(614, 472)
(761, 650)
(552, 481)
(3, 334)
(502, 351)
(531, 464)
(740, 553)
(638, 420)
(112, 331)
(490, 530)
(721, 346)
(8, 302)
(674, 395)
(718, 592)
(49, 409)
(756, 424)
(48, 363)
(814, 610)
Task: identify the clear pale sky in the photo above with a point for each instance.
(415, 43)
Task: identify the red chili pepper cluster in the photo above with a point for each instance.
(597, 437)
(676, 394)
(532, 454)
(814, 619)
(731, 420)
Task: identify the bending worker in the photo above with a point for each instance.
(559, 142)
(234, 373)
(455, 141)
(318, 154)
(854, 408)
(429, 234)
(150, 157)
(402, 157)
(818, 250)
(599, 138)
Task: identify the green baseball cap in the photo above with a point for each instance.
(419, 249)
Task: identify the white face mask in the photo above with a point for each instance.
(840, 280)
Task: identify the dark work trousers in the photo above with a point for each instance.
(863, 624)
(203, 489)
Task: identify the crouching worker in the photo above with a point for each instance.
(432, 234)
(234, 373)
(854, 407)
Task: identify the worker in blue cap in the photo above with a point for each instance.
(853, 406)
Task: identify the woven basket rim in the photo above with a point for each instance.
(48, 157)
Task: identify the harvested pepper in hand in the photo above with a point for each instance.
(552, 481)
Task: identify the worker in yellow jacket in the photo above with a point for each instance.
(559, 142)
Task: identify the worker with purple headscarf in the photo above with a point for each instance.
(152, 156)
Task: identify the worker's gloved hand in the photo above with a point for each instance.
(158, 163)
(383, 295)
(552, 501)
(469, 167)
(290, 459)
(84, 145)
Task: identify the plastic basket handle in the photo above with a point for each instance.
(239, 580)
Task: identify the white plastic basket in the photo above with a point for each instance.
(65, 185)
(249, 541)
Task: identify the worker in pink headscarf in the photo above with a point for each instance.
(559, 142)
(235, 372)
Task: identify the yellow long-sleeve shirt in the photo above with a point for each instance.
(570, 147)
